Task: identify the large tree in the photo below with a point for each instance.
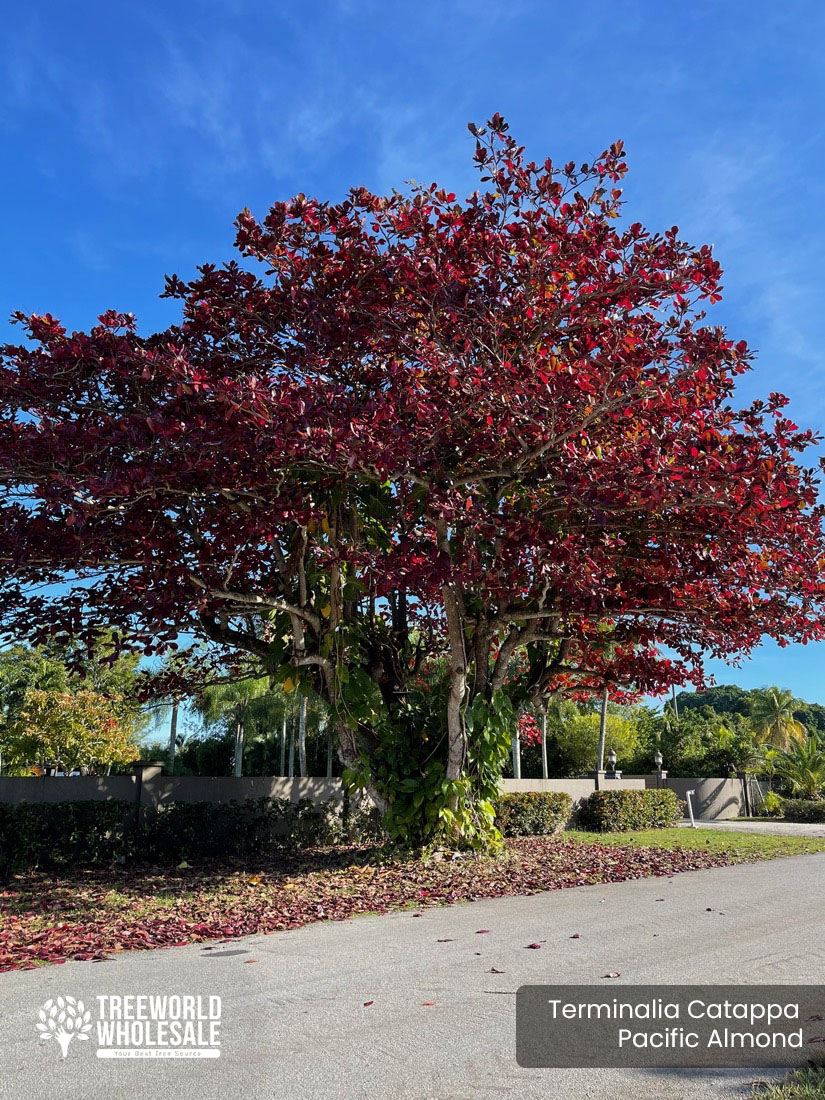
(488, 435)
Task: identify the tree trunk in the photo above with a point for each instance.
(456, 732)
(329, 748)
(283, 745)
(544, 741)
(238, 769)
(302, 737)
(516, 755)
(602, 733)
(173, 736)
(291, 772)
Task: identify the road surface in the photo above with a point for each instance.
(295, 1022)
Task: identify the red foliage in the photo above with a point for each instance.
(506, 415)
(44, 919)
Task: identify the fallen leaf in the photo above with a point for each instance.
(612, 974)
(494, 970)
(482, 931)
(428, 1004)
(448, 940)
(246, 961)
(368, 1003)
(576, 936)
(533, 946)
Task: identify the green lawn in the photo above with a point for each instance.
(805, 1084)
(740, 845)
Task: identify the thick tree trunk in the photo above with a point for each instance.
(348, 752)
(456, 732)
(283, 745)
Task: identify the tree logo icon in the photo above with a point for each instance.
(64, 1019)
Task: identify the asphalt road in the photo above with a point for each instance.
(295, 1024)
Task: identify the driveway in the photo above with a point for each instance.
(439, 1024)
(774, 828)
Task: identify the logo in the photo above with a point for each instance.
(137, 1026)
(64, 1019)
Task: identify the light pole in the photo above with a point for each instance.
(611, 772)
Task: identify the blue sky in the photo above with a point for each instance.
(133, 134)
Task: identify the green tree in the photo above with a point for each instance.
(82, 730)
(578, 739)
(773, 715)
(802, 766)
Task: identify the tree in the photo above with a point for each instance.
(235, 701)
(579, 740)
(72, 731)
(418, 431)
(773, 717)
(57, 671)
(802, 766)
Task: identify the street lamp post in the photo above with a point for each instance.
(658, 760)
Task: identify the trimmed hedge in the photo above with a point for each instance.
(804, 810)
(51, 835)
(623, 811)
(63, 834)
(533, 813)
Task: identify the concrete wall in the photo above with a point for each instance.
(718, 799)
(75, 788)
(196, 788)
(715, 799)
(576, 788)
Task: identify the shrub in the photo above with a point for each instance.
(804, 810)
(63, 834)
(772, 804)
(92, 834)
(533, 813)
(621, 811)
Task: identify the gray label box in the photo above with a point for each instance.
(657, 1026)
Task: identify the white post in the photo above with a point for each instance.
(690, 809)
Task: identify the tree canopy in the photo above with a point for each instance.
(406, 428)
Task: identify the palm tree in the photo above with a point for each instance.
(803, 766)
(772, 717)
(237, 701)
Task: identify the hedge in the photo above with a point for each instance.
(803, 810)
(52, 835)
(623, 811)
(533, 813)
